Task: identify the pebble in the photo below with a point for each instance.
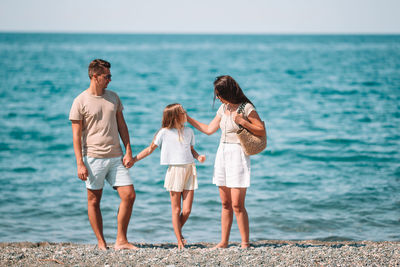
(267, 253)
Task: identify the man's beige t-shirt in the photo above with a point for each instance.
(100, 137)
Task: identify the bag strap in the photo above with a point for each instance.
(241, 110)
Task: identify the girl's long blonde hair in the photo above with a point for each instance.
(172, 119)
(172, 116)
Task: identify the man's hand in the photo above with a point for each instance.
(128, 160)
(82, 172)
(201, 158)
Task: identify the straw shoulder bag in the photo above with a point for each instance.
(251, 144)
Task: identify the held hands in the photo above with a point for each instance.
(82, 172)
(128, 161)
(201, 158)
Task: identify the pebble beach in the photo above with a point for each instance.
(261, 253)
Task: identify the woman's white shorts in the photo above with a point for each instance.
(232, 166)
(181, 177)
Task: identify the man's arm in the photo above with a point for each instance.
(123, 132)
(77, 140)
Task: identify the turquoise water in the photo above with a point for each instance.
(331, 105)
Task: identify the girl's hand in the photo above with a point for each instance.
(201, 158)
(238, 118)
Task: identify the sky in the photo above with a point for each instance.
(202, 16)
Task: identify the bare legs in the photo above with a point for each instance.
(226, 216)
(178, 218)
(95, 218)
(233, 200)
(127, 195)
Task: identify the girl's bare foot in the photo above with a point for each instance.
(124, 246)
(181, 245)
(245, 245)
(221, 245)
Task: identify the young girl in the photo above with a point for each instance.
(176, 142)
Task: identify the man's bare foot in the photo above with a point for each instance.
(221, 245)
(124, 246)
(245, 245)
(102, 246)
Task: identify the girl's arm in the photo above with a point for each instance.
(204, 128)
(254, 125)
(200, 158)
(145, 152)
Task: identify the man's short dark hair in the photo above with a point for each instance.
(98, 66)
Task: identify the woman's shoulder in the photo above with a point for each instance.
(221, 110)
(249, 107)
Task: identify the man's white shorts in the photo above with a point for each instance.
(110, 169)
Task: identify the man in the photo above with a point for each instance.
(97, 124)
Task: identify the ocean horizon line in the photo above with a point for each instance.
(205, 33)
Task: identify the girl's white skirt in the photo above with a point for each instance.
(232, 166)
(181, 177)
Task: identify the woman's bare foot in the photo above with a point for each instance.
(184, 241)
(221, 245)
(245, 245)
(124, 246)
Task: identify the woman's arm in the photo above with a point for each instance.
(204, 128)
(254, 124)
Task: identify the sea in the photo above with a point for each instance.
(331, 105)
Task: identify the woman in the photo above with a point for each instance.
(232, 166)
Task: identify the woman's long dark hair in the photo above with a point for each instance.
(227, 88)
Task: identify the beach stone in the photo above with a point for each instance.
(267, 253)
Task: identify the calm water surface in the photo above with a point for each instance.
(331, 105)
